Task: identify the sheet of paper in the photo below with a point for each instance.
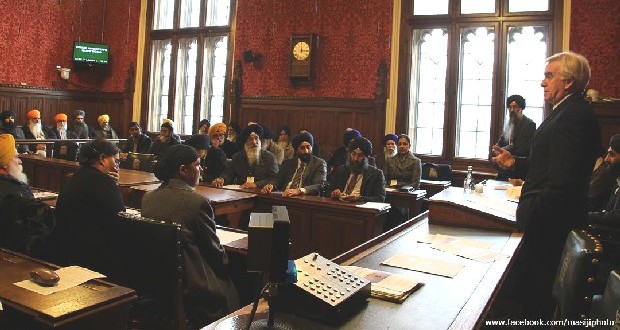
(232, 186)
(497, 204)
(514, 193)
(70, 277)
(42, 195)
(226, 236)
(375, 205)
(445, 239)
(469, 252)
(385, 283)
(133, 211)
(425, 265)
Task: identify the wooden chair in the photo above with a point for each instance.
(151, 263)
(575, 281)
(140, 162)
(436, 172)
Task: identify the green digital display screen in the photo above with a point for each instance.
(91, 53)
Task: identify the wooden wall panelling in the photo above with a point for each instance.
(608, 114)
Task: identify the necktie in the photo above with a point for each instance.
(349, 189)
(296, 181)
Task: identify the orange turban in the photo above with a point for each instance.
(7, 149)
(33, 114)
(60, 116)
(217, 128)
(103, 118)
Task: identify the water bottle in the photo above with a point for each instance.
(468, 185)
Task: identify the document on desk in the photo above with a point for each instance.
(446, 239)
(469, 252)
(425, 265)
(375, 205)
(497, 204)
(387, 286)
(70, 277)
(227, 236)
(232, 186)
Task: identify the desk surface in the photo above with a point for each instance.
(441, 303)
(215, 195)
(490, 210)
(61, 307)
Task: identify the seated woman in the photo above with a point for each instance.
(86, 209)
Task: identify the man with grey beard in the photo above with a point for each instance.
(357, 181)
(252, 167)
(12, 178)
(518, 131)
(389, 143)
(35, 131)
(80, 128)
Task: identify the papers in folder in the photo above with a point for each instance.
(375, 205)
(69, 277)
(385, 285)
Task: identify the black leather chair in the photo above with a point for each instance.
(606, 307)
(139, 162)
(436, 172)
(151, 263)
(575, 281)
(66, 150)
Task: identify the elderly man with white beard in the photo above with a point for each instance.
(60, 131)
(105, 131)
(251, 167)
(12, 178)
(35, 131)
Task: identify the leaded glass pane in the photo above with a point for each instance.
(435, 7)
(218, 12)
(475, 92)
(186, 84)
(515, 6)
(163, 15)
(214, 79)
(159, 83)
(527, 50)
(427, 90)
(477, 6)
(190, 13)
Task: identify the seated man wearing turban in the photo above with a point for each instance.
(7, 126)
(251, 167)
(60, 131)
(301, 175)
(35, 131)
(208, 290)
(80, 128)
(389, 144)
(105, 131)
(357, 181)
(13, 180)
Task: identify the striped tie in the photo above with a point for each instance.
(296, 181)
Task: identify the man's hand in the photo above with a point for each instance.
(337, 193)
(114, 175)
(267, 189)
(248, 185)
(292, 192)
(41, 146)
(218, 183)
(503, 158)
(516, 182)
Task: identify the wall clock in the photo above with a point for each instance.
(303, 51)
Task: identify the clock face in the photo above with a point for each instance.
(301, 50)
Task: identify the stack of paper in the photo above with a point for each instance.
(387, 286)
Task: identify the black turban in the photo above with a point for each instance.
(350, 135)
(199, 141)
(389, 137)
(303, 137)
(175, 156)
(614, 143)
(6, 114)
(267, 133)
(518, 99)
(245, 133)
(363, 144)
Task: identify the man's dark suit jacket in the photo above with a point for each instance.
(312, 179)
(144, 144)
(523, 138)
(264, 172)
(56, 135)
(28, 135)
(373, 183)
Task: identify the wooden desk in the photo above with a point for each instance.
(52, 173)
(409, 200)
(324, 225)
(93, 305)
(442, 303)
(229, 203)
(433, 187)
(489, 211)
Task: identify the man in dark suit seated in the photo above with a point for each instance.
(7, 126)
(557, 172)
(301, 175)
(357, 181)
(60, 131)
(518, 131)
(389, 144)
(35, 131)
(604, 177)
(208, 291)
(137, 142)
(251, 167)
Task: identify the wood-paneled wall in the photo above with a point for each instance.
(22, 99)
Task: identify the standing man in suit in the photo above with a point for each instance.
(357, 181)
(301, 175)
(518, 131)
(554, 197)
